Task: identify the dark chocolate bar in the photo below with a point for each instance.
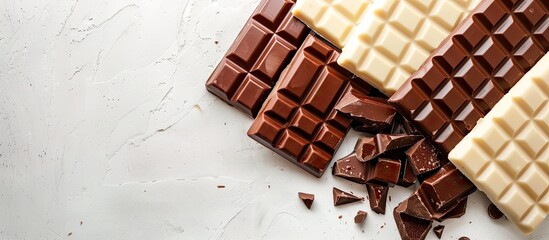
(261, 51)
(298, 119)
(474, 67)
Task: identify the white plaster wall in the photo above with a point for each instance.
(107, 132)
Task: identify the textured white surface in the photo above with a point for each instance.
(105, 119)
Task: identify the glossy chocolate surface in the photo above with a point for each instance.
(341, 197)
(350, 168)
(298, 119)
(377, 195)
(253, 64)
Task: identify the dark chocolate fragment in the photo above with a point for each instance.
(401, 126)
(423, 157)
(474, 67)
(360, 216)
(406, 177)
(368, 148)
(253, 64)
(438, 231)
(341, 197)
(409, 227)
(350, 168)
(384, 171)
(298, 120)
(494, 212)
(307, 199)
(377, 194)
(464, 238)
(369, 114)
(457, 212)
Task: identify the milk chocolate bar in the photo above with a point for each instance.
(474, 67)
(335, 20)
(506, 154)
(298, 119)
(253, 64)
(396, 36)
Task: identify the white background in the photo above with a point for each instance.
(107, 132)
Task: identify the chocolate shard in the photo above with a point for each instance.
(384, 171)
(341, 197)
(369, 114)
(377, 194)
(423, 157)
(409, 227)
(445, 188)
(457, 212)
(368, 148)
(401, 126)
(307, 198)
(350, 168)
(360, 216)
(406, 177)
(438, 231)
(494, 212)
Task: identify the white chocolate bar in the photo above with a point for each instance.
(332, 19)
(396, 36)
(506, 154)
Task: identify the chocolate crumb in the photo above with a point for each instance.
(360, 216)
(69, 234)
(439, 230)
(216, 42)
(81, 223)
(220, 186)
(340, 216)
(464, 238)
(389, 198)
(494, 212)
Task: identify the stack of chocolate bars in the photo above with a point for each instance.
(451, 95)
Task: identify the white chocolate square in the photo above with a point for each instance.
(420, 27)
(332, 19)
(506, 154)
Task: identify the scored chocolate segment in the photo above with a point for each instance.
(474, 67)
(252, 65)
(384, 170)
(298, 119)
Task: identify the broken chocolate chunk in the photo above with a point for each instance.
(456, 212)
(423, 157)
(406, 177)
(350, 168)
(360, 216)
(494, 212)
(438, 231)
(384, 171)
(369, 114)
(401, 126)
(368, 148)
(409, 227)
(377, 194)
(341, 197)
(307, 198)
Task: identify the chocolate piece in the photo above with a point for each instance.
(384, 170)
(423, 157)
(377, 194)
(406, 177)
(252, 65)
(464, 238)
(307, 199)
(474, 67)
(401, 126)
(439, 195)
(438, 231)
(409, 227)
(368, 148)
(341, 197)
(457, 212)
(220, 186)
(369, 114)
(494, 212)
(360, 216)
(350, 168)
(298, 120)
